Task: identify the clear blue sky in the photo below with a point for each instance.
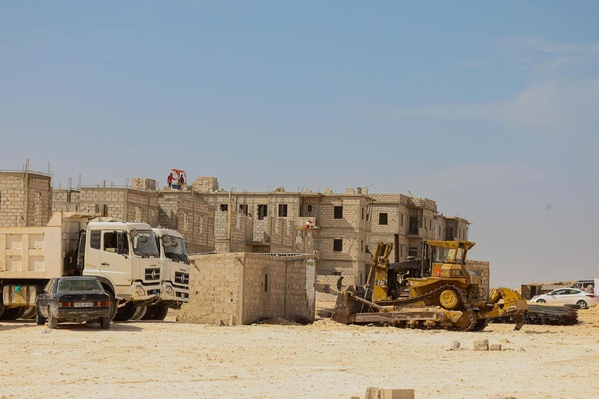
(489, 108)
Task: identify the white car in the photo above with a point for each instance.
(567, 296)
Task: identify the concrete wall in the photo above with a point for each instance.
(190, 215)
(352, 229)
(241, 288)
(482, 269)
(25, 199)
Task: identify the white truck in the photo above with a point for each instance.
(122, 255)
(174, 287)
(174, 283)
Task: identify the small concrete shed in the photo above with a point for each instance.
(242, 288)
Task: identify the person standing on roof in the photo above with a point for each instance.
(169, 179)
(181, 180)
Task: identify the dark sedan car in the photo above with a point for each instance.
(73, 299)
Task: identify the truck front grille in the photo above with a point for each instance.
(152, 274)
(181, 278)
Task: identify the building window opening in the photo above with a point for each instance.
(224, 207)
(282, 210)
(262, 211)
(338, 212)
(383, 218)
(338, 244)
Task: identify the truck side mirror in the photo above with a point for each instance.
(168, 242)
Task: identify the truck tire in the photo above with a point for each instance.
(29, 313)
(140, 312)
(52, 321)
(12, 313)
(125, 312)
(156, 312)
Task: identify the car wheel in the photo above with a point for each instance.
(39, 319)
(540, 301)
(113, 302)
(104, 323)
(52, 321)
(582, 304)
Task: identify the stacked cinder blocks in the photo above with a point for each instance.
(142, 183)
(205, 184)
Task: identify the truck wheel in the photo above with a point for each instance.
(29, 313)
(52, 321)
(104, 323)
(140, 311)
(156, 312)
(125, 312)
(12, 313)
(39, 319)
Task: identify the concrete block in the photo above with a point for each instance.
(381, 393)
(495, 347)
(481, 345)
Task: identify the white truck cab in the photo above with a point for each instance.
(125, 258)
(175, 267)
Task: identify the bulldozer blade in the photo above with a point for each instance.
(341, 312)
(519, 319)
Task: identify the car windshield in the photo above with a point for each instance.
(174, 248)
(144, 243)
(78, 285)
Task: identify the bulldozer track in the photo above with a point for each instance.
(463, 298)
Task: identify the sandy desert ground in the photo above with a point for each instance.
(323, 360)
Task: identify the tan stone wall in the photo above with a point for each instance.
(25, 199)
(142, 183)
(65, 200)
(352, 229)
(190, 215)
(205, 184)
(216, 289)
(482, 268)
(239, 224)
(241, 288)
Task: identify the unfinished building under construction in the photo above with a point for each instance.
(336, 228)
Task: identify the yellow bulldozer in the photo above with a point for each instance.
(435, 291)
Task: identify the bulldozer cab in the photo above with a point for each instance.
(448, 259)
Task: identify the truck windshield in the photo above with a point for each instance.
(175, 249)
(144, 243)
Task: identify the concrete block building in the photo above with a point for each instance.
(179, 210)
(409, 221)
(242, 288)
(25, 198)
(336, 229)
